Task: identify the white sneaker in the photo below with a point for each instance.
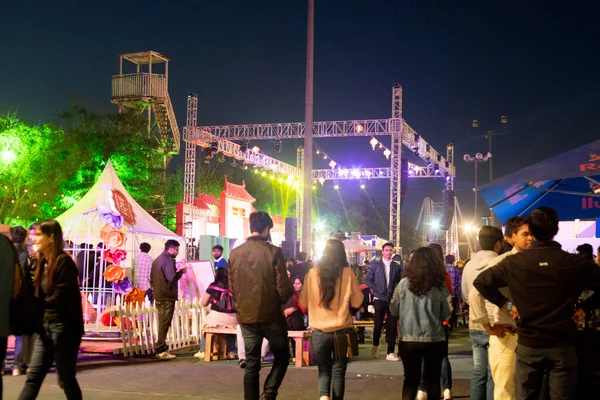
(392, 357)
(447, 394)
(324, 398)
(17, 372)
(165, 355)
(421, 395)
(199, 354)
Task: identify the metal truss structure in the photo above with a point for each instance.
(437, 165)
(428, 225)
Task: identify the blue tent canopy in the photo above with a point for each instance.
(568, 182)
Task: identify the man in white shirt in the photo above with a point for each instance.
(490, 241)
(497, 322)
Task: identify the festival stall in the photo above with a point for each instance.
(568, 182)
(108, 215)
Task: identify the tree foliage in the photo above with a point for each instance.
(34, 163)
(53, 166)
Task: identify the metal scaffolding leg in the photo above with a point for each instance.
(300, 190)
(189, 176)
(395, 156)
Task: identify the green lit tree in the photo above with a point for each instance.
(35, 160)
(122, 138)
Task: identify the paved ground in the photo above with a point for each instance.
(107, 378)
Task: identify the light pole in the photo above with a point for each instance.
(478, 158)
(308, 132)
(488, 135)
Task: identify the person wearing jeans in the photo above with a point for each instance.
(260, 286)
(241, 348)
(56, 283)
(55, 344)
(421, 302)
(482, 384)
(254, 335)
(332, 371)
(490, 241)
(329, 291)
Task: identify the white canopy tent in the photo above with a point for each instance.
(108, 214)
(83, 222)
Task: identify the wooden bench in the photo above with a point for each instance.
(363, 324)
(215, 343)
(303, 347)
(215, 347)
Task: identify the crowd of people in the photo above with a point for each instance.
(529, 305)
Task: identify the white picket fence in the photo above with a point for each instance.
(139, 326)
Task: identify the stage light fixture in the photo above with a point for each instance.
(244, 147)
(220, 157)
(277, 145)
(214, 147)
(208, 153)
(234, 163)
(436, 169)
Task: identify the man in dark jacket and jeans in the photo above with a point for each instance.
(260, 286)
(163, 280)
(382, 278)
(545, 283)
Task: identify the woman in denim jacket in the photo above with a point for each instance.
(421, 303)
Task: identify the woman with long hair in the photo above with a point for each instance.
(57, 284)
(421, 303)
(294, 312)
(222, 307)
(446, 366)
(329, 291)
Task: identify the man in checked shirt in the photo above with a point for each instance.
(143, 266)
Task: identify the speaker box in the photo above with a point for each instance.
(291, 229)
(448, 211)
(290, 248)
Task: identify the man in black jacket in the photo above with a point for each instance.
(163, 280)
(382, 277)
(545, 283)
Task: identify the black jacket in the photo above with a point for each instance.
(545, 283)
(164, 277)
(63, 303)
(258, 281)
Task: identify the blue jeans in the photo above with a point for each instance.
(332, 370)
(24, 350)
(482, 385)
(54, 344)
(276, 334)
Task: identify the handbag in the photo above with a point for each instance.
(345, 341)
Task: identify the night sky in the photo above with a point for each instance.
(536, 63)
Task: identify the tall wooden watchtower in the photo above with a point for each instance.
(147, 89)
